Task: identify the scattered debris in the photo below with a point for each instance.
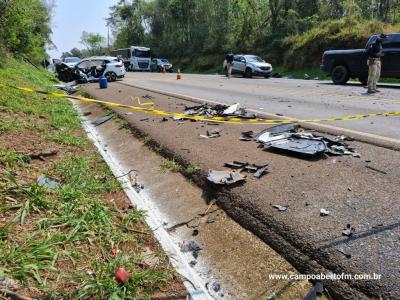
(344, 252)
(219, 110)
(348, 231)
(177, 118)
(216, 287)
(323, 212)
(306, 77)
(195, 232)
(258, 170)
(376, 170)
(42, 154)
(317, 289)
(210, 220)
(147, 96)
(164, 119)
(145, 119)
(191, 246)
(121, 275)
(213, 134)
(102, 120)
(69, 88)
(193, 263)
(48, 182)
(247, 136)
(224, 177)
(288, 138)
(280, 207)
(88, 113)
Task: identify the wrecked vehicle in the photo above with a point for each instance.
(91, 69)
(290, 139)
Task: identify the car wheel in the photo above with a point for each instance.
(363, 80)
(111, 76)
(340, 75)
(248, 73)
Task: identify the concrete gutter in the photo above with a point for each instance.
(368, 138)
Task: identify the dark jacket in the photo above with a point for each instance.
(374, 48)
(229, 58)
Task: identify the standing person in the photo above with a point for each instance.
(229, 63)
(375, 52)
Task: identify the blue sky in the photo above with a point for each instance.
(71, 17)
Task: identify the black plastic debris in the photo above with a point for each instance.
(317, 289)
(280, 207)
(219, 110)
(224, 177)
(191, 246)
(193, 263)
(213, 134)
(247, 136)
(147, 96)
(195, 232)
(258, 170)
(164, 119)
(235, 165)
(348, 231)
(102, 120)
(344, 252)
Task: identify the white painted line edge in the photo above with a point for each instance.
(193, 282)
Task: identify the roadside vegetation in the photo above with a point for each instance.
(196, 35)
(65, 241)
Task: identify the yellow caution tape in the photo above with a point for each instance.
(151, 104)
(230, 120)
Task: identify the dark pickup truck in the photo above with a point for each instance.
(342, 65)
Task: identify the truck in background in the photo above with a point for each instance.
(135, 58)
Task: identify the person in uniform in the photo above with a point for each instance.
(375, 52)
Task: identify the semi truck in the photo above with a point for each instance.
(135, 58)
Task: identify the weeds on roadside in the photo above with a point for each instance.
(192, 169)
(169, 165)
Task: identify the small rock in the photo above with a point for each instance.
(195, 232)
(210, 220)
(348, 231)
(216, 287)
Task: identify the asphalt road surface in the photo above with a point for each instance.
(303, 99)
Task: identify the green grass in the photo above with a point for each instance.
(192, 169)
(50, 240)
(169, 165)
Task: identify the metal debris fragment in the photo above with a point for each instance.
(280, 207)
(323, 212)
(224, 177)
(102, 120)
(220, 110)
(344, 252)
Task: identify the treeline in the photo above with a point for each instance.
(197, 33)
(25, 28)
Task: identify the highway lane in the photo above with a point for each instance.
(303, 99)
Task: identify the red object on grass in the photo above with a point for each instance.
(121, 275)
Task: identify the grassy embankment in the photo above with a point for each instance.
(63, 243)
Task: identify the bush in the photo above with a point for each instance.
(305, 50)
